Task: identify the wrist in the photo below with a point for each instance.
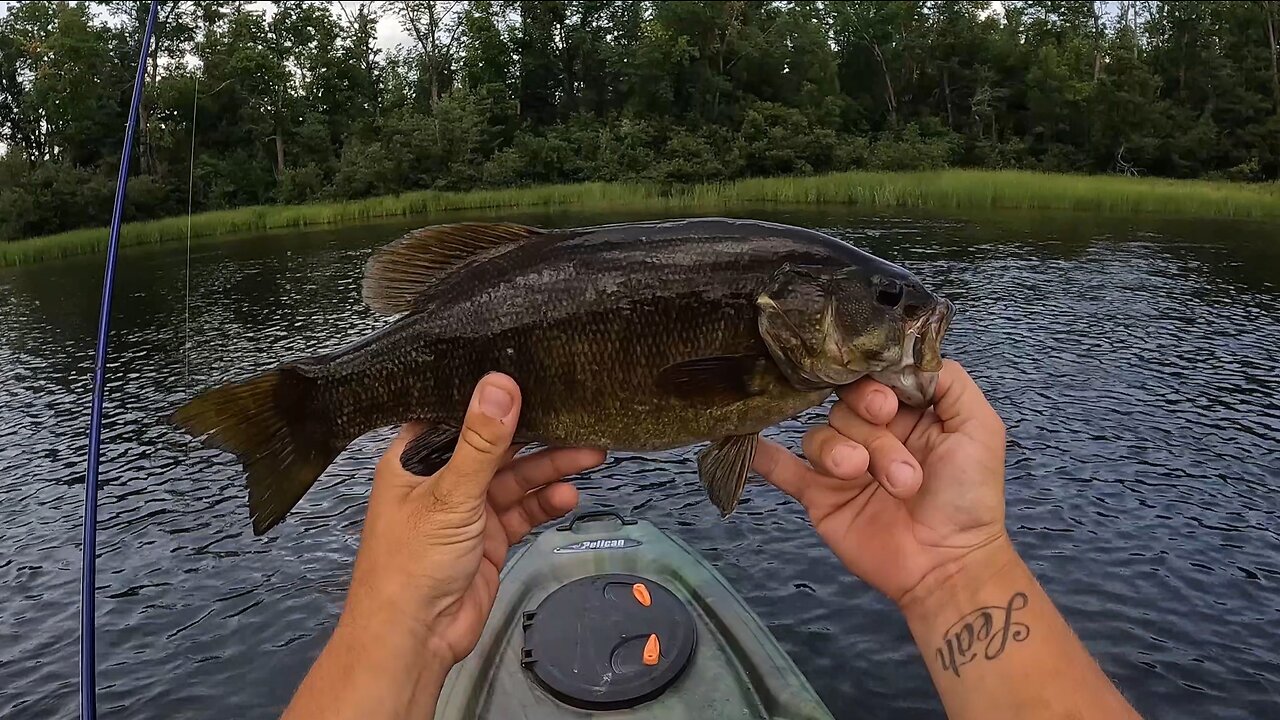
(962, 580)
(385, 636)
(368, 670)
(384, 600)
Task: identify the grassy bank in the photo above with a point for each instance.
(948, 189)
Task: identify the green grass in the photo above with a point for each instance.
(946, 189)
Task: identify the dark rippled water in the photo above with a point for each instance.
(1133, 360)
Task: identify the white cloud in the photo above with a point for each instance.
(390, 34)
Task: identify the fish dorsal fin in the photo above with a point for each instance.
(402, 270)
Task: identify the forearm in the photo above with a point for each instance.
(996, 646)
(370, 671)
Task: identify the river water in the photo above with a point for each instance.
(1133, 359)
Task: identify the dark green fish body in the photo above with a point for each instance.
(642, 336)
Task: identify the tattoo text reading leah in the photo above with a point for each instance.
(984, 632)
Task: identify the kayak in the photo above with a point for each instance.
(608, 616)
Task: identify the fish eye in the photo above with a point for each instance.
(889, 293)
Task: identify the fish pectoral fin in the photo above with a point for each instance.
(717, 378)
(398, 273)
(427, 453)
(723, 468)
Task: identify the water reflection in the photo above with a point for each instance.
(1133, 361)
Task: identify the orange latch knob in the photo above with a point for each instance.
(652, 651)
(642, 594)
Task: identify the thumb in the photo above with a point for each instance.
(485, 436)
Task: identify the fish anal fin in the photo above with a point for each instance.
(399, 272)
(716, 378)
(723, 468)
(428, 452)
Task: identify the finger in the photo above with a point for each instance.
(877, 403)
(907, 420)
(484, 438)
(958, 401)
(872, 399)
(781, 468)
(512, 452)
(544, 504)
(530, 472)
(495, 539)
(484, 591)
(833, 454)
(818, 493)
(892, 465)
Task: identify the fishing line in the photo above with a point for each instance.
(186, 310)
(88, 675)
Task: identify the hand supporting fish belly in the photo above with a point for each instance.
(637, 336)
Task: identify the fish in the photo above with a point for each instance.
(640, 337)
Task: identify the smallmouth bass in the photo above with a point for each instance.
(637, 336)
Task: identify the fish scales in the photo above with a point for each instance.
(638, 336)
(584, 330)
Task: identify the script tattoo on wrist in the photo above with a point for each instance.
(982, 633)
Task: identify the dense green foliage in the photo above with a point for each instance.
(301, 105)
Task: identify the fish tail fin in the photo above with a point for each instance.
(270, 424)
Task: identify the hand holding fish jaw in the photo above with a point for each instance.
(426, 574)
(901, 495)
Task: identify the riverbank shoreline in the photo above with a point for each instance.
(943, 190)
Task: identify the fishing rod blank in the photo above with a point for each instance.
(88, 675)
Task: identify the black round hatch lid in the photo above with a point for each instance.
(595, 644)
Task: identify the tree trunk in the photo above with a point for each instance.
(426, 41)
(148, 154)
(1135, 29)
(373, 82)
(569, 68)
(715, 98)
(1097, 44)
(1182, 68)
(279, 153)
(435, 85)
(1275, 55)
(432, 56)
(890, 99)
(147, 151)
(144, 154)
(946, 91)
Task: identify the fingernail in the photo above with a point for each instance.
(875, 404)
(495, 401)
(900, 475)
(843, 458)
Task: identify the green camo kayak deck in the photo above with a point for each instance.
(717, 660)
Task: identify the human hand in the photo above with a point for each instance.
(432, 547)
(902, 496)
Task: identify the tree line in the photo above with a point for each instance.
(301, 104)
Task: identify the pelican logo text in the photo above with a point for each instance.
(602, 544)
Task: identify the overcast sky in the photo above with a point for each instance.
(389, 32)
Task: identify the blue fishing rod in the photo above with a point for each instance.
(88, 674)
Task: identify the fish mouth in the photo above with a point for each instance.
(923, 345)
(915, 378)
